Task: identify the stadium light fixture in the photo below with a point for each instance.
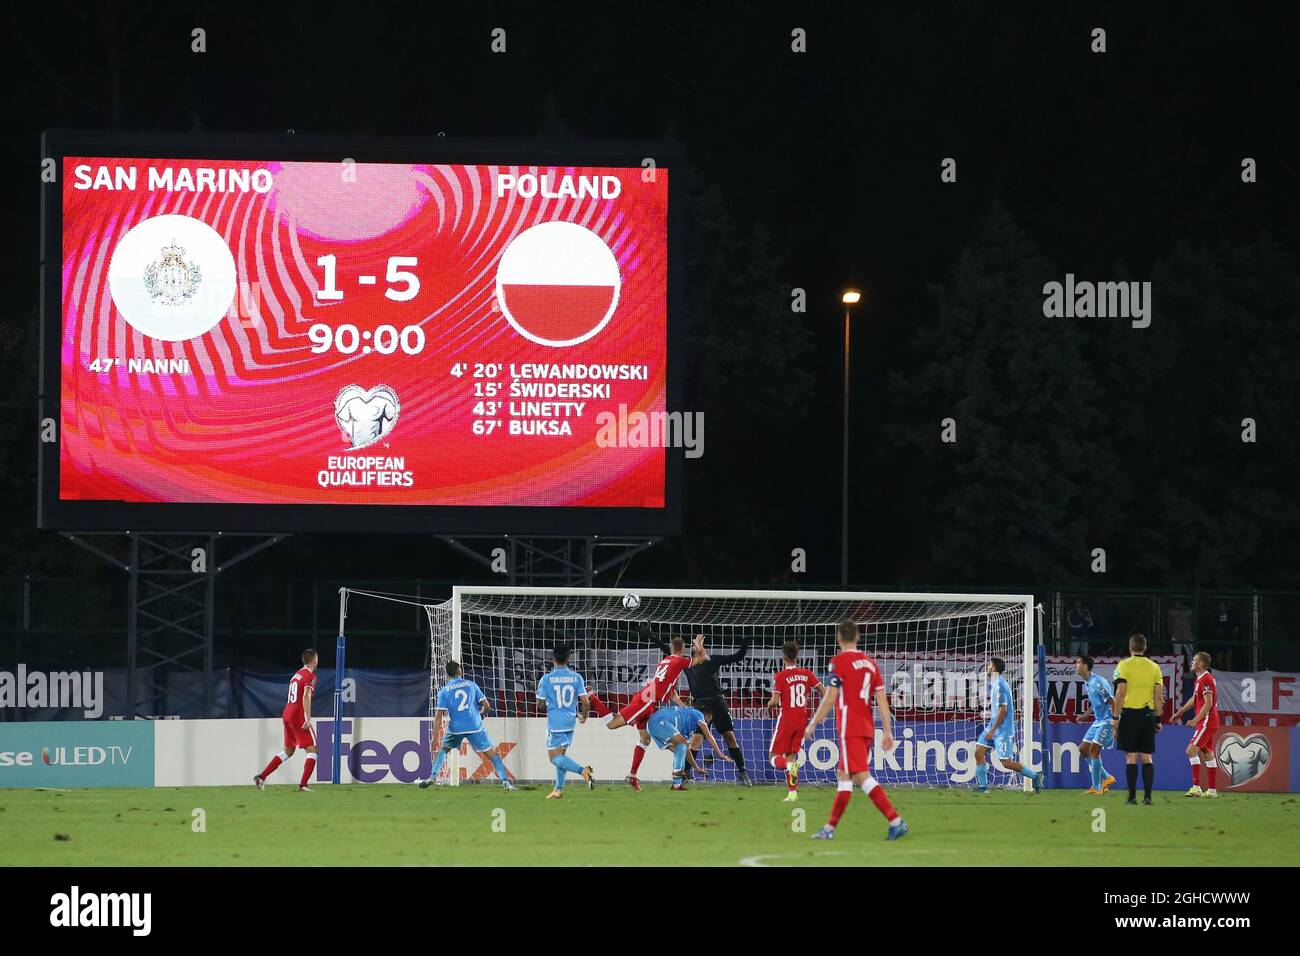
(851, 297)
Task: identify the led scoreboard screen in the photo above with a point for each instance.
(293, 333)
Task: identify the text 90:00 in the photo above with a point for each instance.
(387, 339)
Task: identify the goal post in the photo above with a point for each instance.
(932, 648)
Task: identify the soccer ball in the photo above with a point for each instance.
(631, 602)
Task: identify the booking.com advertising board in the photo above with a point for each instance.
(394, 750)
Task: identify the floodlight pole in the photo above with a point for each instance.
(844, 492)
(850, 298)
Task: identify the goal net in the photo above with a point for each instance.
(932, 649)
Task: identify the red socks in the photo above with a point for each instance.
(1212, 772)
(308, 766)
(879, 798)
(779, 762)
(842, 798)
(872, 789)
(638, 754)
(791, 781)
(1196, 772)
(598, 706)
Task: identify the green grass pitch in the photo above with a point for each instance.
(709, 825)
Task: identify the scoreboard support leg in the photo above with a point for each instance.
(172, 596)
(340, 648)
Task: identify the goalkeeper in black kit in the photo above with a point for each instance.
(707, 697)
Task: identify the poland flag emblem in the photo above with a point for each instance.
(558, 283)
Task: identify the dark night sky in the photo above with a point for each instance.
(1105, 163)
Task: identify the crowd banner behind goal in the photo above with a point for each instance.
(932, 648)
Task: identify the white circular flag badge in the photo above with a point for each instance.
(558, 283)
(172, 277)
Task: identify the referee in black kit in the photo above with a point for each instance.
(707, 697)
(1139, 702)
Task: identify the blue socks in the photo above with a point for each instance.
(568, 763)
(982, 774)
(1098, 772)
(564, 764)
(679, 757)
(437, 764)
(497, 765)
(500, 768)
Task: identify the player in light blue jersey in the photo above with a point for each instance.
(999, 735)
(1102, 732)
(567, 704)
(462, 705)
(672, 727)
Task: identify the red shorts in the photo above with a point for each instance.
(787, 738)
(1203, 737)
(296, 735)
(638, 713)
(855, 755)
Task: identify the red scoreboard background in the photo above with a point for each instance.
(355, 342)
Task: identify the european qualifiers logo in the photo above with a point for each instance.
(1100, 300)
(76, 909)
(60, 690)
(1245, 758)
(365, 418)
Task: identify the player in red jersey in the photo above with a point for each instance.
(1200, 751)
(297, 723)
(792, 690)
(855, 680)
(662, 687)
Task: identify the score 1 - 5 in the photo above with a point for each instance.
(329, 291)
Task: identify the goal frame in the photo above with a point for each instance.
(1027, 600)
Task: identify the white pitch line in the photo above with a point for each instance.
(758, 860)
